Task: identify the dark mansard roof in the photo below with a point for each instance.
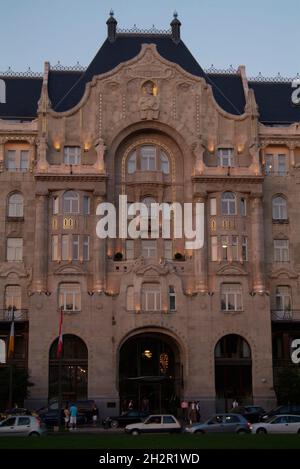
(66, 88)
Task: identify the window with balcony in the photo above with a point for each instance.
(225, 157)
(228, 203)
(17, 160)
(279, 208)
(172, 298)
(12, 297)
(283, 298)
(72, 155)
(276, 164)
(14, 249)
(71, 202)
(151, 297)
(281, 250)
(16, 205)
(148, 158)
(231, 297)
(70, 297)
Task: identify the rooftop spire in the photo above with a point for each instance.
(111, 27)
(175, 26)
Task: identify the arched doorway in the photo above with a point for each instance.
(150, 373)
(233, 372)
(74, 373)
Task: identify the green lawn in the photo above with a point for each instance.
(122, 441)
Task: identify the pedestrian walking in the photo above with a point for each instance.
(198, 411)
(235, 404)
(73, 417)
(66, 417)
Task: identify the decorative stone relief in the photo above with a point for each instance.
(149, 102)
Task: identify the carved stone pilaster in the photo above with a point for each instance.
(41, 243)
(99, 255)
(200, 255)
(257, 255)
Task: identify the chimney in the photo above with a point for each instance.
(175, 26)
(111, 27)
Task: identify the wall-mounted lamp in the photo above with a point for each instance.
(47, 293)
(240, 148)
(211, 147)
(57, 146)
(86, 146)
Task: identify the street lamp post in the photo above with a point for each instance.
(10, 358)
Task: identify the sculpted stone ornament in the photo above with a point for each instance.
(100, 149)
(198, 149)
(149, 102)
(42, 163)
(254, 149)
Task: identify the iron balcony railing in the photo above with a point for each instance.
(20, 315)
(285, 315)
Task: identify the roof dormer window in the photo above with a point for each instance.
(2, 92)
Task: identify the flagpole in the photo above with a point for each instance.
(60, 370)
(11, 356)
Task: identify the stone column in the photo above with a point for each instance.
(99, 254)
(257, 242)
(200, 255)
(41, 243)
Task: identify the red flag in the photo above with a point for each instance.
(60, 338)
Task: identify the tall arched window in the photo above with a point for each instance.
(228, 202)
(16, 205)
(279, 208)
(71, 202)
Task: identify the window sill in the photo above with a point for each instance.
(142, 311)
(279, 221)
(67, 311)
(232, 312)
(14, 219)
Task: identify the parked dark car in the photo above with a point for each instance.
(252, 413)
(132, 416)
(288, 409)
(49, 414)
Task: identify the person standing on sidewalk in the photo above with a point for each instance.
(73, 417)
(95, 414)
(66, 417)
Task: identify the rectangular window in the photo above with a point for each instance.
(14, 249)
(13, 296)
(172, 299)
(243, 207)
(148, 158)
(224, 246)
(283, 298)
(151, 297)
(72, 155)
(129, 246)
(225, 157)
(244, 248)
(148, 249)
(55, 255)
(213, 206)
(231, 297)
(214, 248)
(55, 205)
(70, 297)
(281, 250)
(65, 247)
(75, 247)
(234, 248)
(281, 165)
(168, 249)
(86, 205)
(11, 160)
(86, 248)
(269, 165)
(24, 160)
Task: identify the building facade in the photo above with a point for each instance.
(149, 318)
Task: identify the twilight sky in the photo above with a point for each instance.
(264, 35)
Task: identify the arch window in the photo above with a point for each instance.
(279, 208)
(16, 205)
(71, 202)
(148, 158)
(2, 92)
(228, 203)
(2, 351)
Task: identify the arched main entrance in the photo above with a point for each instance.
(233, 372)
(150, 373)
(74, 369)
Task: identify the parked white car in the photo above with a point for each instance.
(22, 425)
(155, 424)
(278, 424)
